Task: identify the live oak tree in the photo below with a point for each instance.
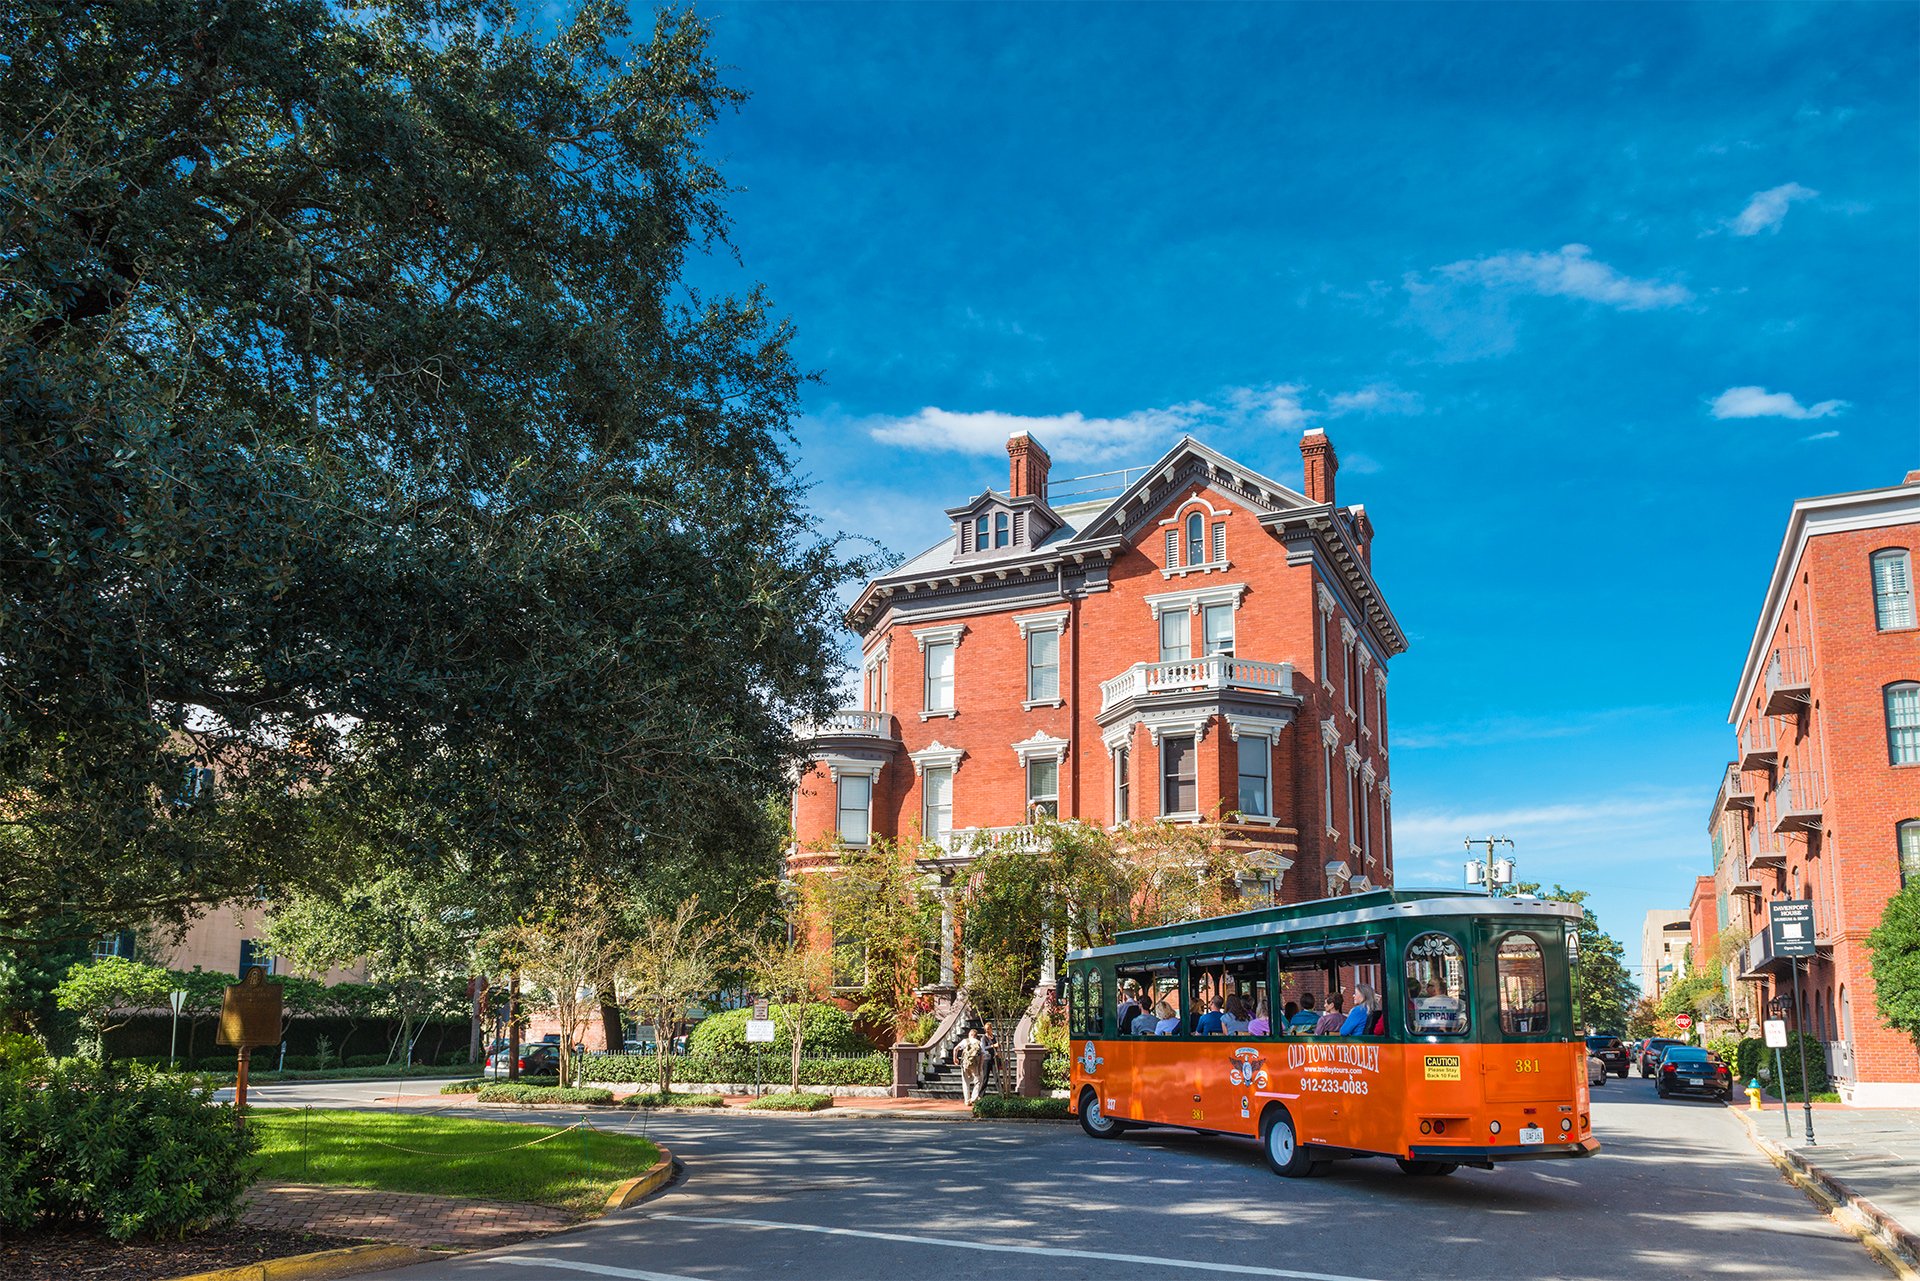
(372, 478)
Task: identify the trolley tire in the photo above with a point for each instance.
(1094, 1120)
(1433, 1169)
(1280, 1143)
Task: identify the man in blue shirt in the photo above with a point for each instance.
(1214, 1021)
(1303, 1021)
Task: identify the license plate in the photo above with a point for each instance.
(1532, 1134)
(1694, 1080)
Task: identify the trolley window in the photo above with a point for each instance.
(1225, 993)
(1153, 987)
(1436, 986)
(1077, 1004)
(1521, 972)
(1322, 982)
(1096, 1008)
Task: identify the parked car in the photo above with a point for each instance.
(1687, 1069)
(1596, 1071)
(1648, 1056)
(535, 1060)
(1611, 1051)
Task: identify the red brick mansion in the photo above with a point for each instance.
(1208, 645)
(1823, 800)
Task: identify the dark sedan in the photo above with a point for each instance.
(1610, 1050)
(1647, 1057)
(1686, 1069)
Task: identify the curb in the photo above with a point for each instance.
(346, 1262)
(1885, 1237)
(643, 1185)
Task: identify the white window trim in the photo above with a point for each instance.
(952, 632)
(1268, 819)
(1267, 727)
(1041, 747)
(1177, 727)
(1326, 752)
(939, 756)
(1905, 557)
(926, 832)
(1178, 520)
(1194, 599)
(1056, 622)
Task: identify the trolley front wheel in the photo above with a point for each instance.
(1286, 1154)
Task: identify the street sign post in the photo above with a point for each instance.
(176, 998)
(1775, 1031)
(1790, 931)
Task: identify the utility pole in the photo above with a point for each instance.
(1489, 871)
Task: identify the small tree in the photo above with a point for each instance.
(876, 903)
(676, 959)
(565, 961)
(108, 991)
(1894, 946)
(797, 973)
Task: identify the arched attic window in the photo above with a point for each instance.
(1196, 539)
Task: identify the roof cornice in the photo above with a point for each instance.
(1810, 518)
(1322, 525)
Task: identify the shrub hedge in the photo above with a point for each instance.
(117, 1148)
(721, 1069)
(996, 1106)
(655, 1099)
(802, 1102)
(511, 1093)
(829, 1031)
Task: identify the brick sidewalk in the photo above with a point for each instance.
(403, 1218)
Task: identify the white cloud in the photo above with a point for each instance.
(1766, 210)
(1422, 831)
(1758, 402)
(1276, 404)
(1069, 437)
(1568, 272)
(1820, 435)
(1375, 398)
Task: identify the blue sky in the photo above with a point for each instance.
(1585, 296)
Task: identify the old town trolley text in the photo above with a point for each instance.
(1430, 1026)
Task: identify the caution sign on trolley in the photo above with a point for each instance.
(1443, 1067)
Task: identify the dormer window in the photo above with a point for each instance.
(980, 533)
(1002, 529)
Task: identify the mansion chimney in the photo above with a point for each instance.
(1028, 467)
(1319, 464)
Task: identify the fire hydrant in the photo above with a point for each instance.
(1753, 1096)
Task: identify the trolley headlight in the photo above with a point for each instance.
(1566, 1123)
(1494, 1126)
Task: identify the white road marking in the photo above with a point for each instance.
(1044, 1252)
(597, 1269)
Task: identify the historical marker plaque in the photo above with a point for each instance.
(250, 1011)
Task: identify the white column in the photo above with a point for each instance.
(946, 937)
(1049, 977)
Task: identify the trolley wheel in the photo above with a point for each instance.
(1426, 1168)
(1286, 1154)
(1093, 1119)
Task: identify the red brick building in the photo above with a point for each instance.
(1206, 644)
(1823, 802)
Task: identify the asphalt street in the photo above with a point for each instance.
(1677, 1192)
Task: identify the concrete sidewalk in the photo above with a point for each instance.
(1867, 1160)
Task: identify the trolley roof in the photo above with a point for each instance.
(1350, 909)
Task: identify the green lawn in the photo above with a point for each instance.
(449, 1155)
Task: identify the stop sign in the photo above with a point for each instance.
(1683, 1021)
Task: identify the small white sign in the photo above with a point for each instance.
(1776, 1033)
(760, 1031)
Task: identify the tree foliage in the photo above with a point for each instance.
(676, 960)
(1603, 992)
(1894, 946)
(366, 447)
(109, 990)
